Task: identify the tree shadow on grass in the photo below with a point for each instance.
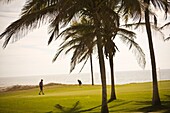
(120, 103)
(76, 108)
(164, 108)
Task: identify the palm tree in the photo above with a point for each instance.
(155, 97)
(84, 21)
(86, 35)
(135, 9)
(110, 50)
(81, 36)
(111, 30)
(127, 37)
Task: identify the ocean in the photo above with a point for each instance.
(121, 77)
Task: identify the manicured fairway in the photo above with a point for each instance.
(84, 99)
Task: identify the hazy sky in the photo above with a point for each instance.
(32, 56)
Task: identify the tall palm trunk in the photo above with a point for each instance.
(155, 94)
(113, 94)
(91, 64)
(104, 108)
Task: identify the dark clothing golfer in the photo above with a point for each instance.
(41, 87)
(80, 83)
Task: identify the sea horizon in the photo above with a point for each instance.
(121, 77)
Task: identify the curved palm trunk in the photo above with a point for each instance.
(91, 64)
(155, 96)
(113, 94)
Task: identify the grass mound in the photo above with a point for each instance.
(24, 87)
(19, 87)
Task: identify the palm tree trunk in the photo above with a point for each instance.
(113, 94)
(91, 64)
(155, 96)
(104, 108)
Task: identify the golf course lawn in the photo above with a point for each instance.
(84, 99)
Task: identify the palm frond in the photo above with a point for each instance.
(131, 9)
(167, 39)
(80, 44)
(127, 33)
(156, 29)
(54, 30)
(79, 58)
(74, 60)
(83, 65)
(133, 25)
(25, 24)
(164, 26)
(35, 13)
(161, 5)
(72, 48)
(57, 54)
(136, 50)
(74, 30)
(35, 5)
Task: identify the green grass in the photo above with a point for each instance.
(84, 99)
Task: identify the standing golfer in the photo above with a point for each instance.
(41, 87)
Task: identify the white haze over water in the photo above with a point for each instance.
(123, 77)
